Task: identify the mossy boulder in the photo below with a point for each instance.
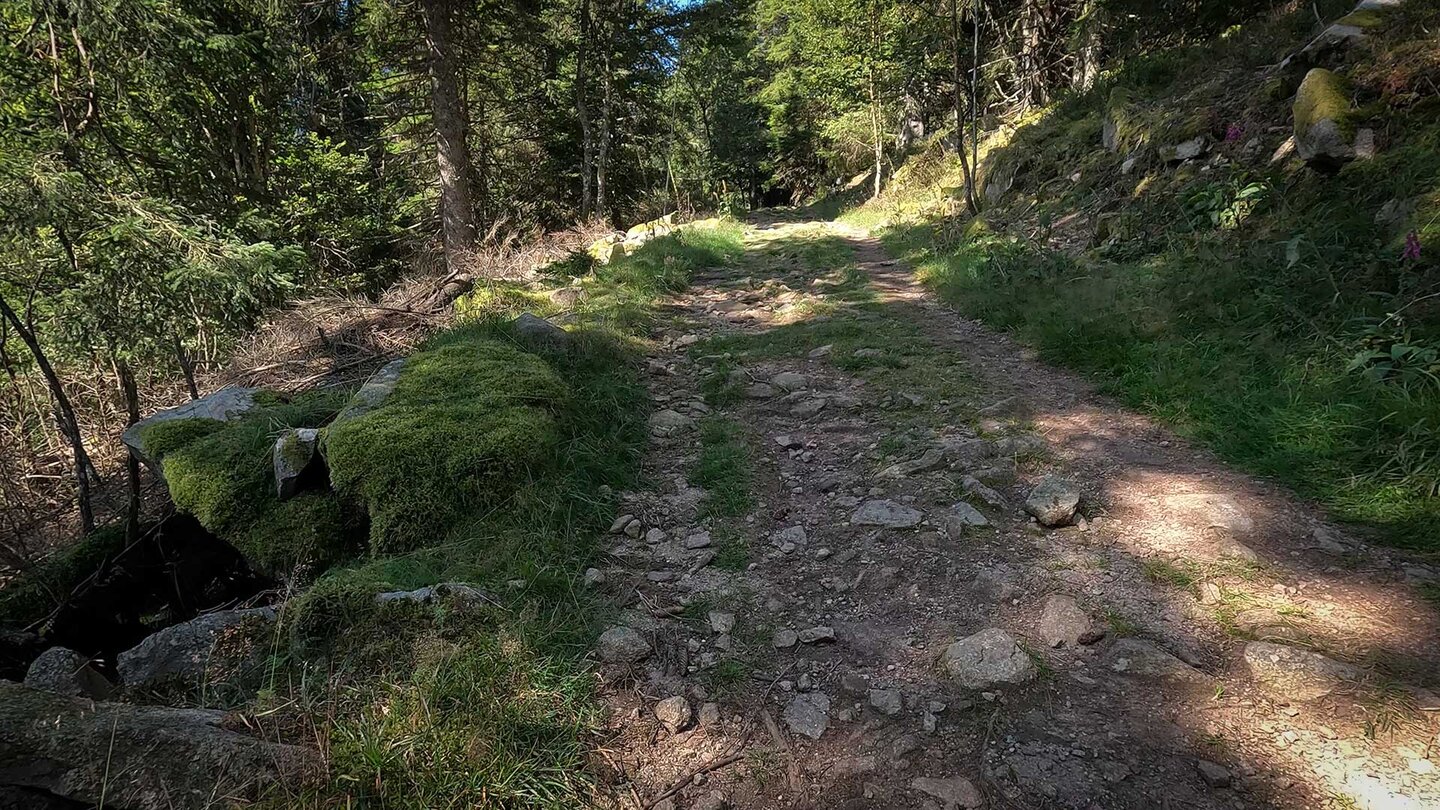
(222, 406)
(470, 420)
(222, 474)
(1324, 130)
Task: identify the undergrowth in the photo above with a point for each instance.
(501, 476)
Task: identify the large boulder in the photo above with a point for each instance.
(988, 658)
(66, 672)
(224, 647)
(1324, 132)
(145, 758)
(221, 406)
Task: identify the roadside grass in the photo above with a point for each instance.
(723, 469)
(1257, 306)
(486, 701)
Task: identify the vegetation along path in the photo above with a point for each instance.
(886, 559)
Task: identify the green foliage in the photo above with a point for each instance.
(221, 472)
(470, 422)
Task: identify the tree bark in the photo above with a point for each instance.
(602, 165)
(132, 464)
(457, 210)
(582, 109)
(970, 200)
(187, 367)
(69, 424)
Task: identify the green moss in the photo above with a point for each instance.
(1323, 96)
(1362, 18)
(470, 421)
(32, 595)
(222, 474)
(160, 438)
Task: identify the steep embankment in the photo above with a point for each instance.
(1235, 238)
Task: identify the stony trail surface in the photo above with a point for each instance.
(889, 560)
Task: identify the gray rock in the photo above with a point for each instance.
(714, 800)
(373, 393)
(1189, 150)
(453, 591)
(221, 406)
(972, 485)
(622, 645)
(817, 635)
(955, 792)
(674, 712)
(138, 757)
(886, 701)
(535, 330)
(209, 648)
(1216, 776)
(709, 714)
(933, 459)
(697, 540)
(808, 408)
(790, 534)
(296, 454)
(759, 391)
(821, 351)
(963, 516)
(989, 657)
(1053, 501)
(620, 523)
(66, 672)
(655, 535)
(808, 713)
(789, 381)
(1297, 673)
(666, 422)
(994, 585)
(1131, 656)
(885, 513)
(722, 622)
(594, 576)
(1062, 621)
(784, 639)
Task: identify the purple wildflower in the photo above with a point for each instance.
(1233, 133)
(1412, 247)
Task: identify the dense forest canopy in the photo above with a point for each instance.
(171, 172)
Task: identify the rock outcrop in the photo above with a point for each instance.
(137, 757)
(66, 672)
(227, 646)
(221, 406)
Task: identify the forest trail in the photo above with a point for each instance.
(839, 471)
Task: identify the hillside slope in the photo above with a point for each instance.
(1161, 233)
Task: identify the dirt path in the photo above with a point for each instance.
(839, 479)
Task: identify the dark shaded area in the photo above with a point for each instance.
(174, 571)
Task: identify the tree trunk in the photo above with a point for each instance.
(582, 105)
(602, 166)
(187, 367)
(69, 424)
(132, 464)
(457, 211)
(1031, 73)
(970, 200)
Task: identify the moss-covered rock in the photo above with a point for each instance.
(222, 473)
(1324, 131)
(469, 420)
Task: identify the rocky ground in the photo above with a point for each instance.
(888, 560)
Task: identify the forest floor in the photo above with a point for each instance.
(792, 390)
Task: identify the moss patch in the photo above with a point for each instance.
(470, 421)
(1323, 96)
(221, 472)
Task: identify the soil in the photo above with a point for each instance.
(1170, 548)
